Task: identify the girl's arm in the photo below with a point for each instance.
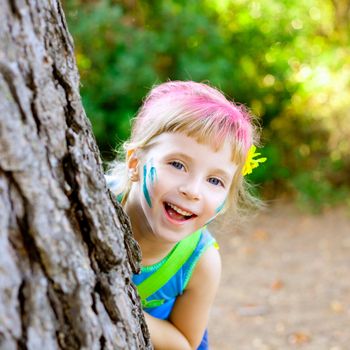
(190, 314)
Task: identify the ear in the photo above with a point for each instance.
(132, 162)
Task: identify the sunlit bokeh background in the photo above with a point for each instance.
(288, 61)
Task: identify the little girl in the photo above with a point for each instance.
(185, 160)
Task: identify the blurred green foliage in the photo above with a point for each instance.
(289, 62)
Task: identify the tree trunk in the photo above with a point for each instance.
(65, 244)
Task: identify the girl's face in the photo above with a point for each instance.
(182, 185)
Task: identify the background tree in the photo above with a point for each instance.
(64, 270)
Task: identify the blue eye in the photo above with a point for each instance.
(177, 165)
(215, 181)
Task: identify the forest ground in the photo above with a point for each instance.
(285, 282)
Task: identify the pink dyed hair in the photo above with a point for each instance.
(169, 102)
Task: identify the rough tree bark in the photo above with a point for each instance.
(65, 256)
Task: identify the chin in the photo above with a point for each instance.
(172, 237)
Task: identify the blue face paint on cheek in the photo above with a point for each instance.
(217, 211)
(219, 208)
(144, 187)
(153, 173)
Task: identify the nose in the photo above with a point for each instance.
(191, 190)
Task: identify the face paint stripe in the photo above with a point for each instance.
(145, 190)
(218, 209)
(153, 172)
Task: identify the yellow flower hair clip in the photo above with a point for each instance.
(252, 163)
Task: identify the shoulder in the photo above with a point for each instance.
(207, 271)
(203, 254)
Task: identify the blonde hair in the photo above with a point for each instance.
(199, 111)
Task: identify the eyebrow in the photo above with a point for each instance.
(180, 154)
(223, 173)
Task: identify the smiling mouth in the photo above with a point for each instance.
(177, 213)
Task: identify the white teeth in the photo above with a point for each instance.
(180, 211)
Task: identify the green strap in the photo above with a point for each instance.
(179, 256)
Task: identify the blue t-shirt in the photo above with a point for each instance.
(160, 303)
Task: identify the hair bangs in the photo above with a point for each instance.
(215, 129)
